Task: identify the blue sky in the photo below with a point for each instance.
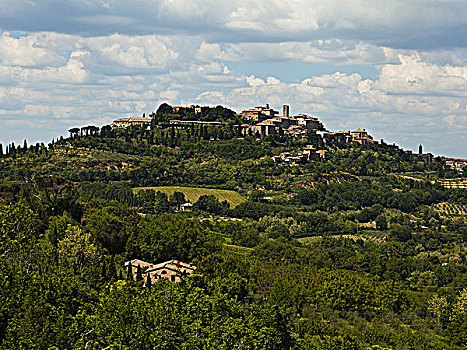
(396, 68)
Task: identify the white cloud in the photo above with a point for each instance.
(24, 51)
(134, 52)
(170, 95)
(396, 111)
(61, 80)
(316, 51)
(391, 23)
(413, 76)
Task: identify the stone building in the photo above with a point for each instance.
(361, 136)
(123, 123)
(172, 270)
(259, 113)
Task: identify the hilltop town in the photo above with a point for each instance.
(262, 121)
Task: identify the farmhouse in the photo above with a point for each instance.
(172, 270)
(186, 207)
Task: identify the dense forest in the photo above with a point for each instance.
(364, 249)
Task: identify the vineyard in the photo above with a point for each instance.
(451, 209)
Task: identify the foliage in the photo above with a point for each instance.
(384, 267)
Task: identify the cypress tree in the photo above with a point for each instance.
(12, 150)
(129, 272)
(139, 274)
(1, 150)
(148, 281)
(112, 270)
(172, 136)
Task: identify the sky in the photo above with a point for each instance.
(397, 68)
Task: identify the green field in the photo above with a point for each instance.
(193, 193)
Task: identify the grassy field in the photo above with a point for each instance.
(193, 193)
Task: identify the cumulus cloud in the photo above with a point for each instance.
(410, 95)
(25, 51)
(414, 76)
(388, 106)
(392, 23)
(73, 68)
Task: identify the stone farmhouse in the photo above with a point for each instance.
(173, 270)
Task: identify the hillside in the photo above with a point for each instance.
(360, 248)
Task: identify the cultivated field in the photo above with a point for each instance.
(313, 239)
(193, 193)
(451, 208)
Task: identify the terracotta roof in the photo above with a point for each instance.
(176, 263)
(359, 130)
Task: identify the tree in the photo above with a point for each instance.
(381, 223)
(211, 204)
(256, 195)
(55, 193)
(74, 132)
(178, 198)
(148, 283)
(129, 272)
(139, 274)
(401, 233)
(112, 227)
(77, 251)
